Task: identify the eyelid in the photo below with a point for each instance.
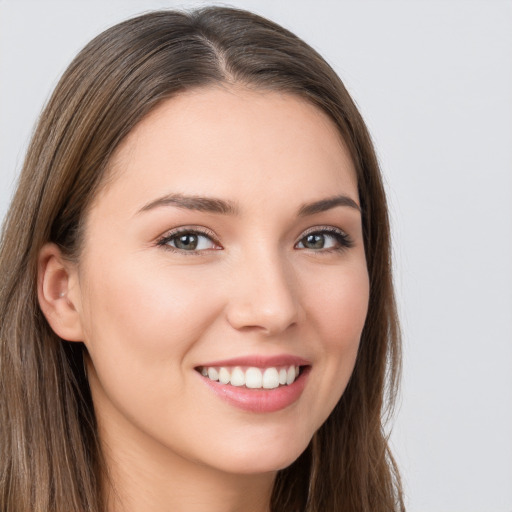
(316, 229)
(322, 229)
(162, 241)
(346, 240)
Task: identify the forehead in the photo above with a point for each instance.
(232, 142)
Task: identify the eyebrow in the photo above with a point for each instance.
(327, 204)
(197, 203)
(223, 207)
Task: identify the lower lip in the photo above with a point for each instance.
(260, 400)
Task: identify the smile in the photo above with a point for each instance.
(257, 384)
(252, 377)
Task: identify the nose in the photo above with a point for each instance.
(263, 294)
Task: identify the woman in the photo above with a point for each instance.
(196, 297)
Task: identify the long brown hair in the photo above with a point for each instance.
(50, 457)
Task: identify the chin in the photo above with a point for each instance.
(261, 458)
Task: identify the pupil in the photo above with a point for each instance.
(315, 241)
(187, 242)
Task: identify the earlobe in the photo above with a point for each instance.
(57, 291)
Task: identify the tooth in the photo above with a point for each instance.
(237, 377)
(224, 376)
(290, 375)
(253, 378)
(213, 374)
(270, 378)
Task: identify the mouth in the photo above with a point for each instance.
(257, 385)
(252, 377)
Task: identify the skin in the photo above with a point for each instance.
(149, 316)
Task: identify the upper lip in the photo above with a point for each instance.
(260, 361)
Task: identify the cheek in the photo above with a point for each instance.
(337, 316)
(141, 331)
(340, 307)
(143, 314)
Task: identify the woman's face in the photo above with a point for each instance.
(225, 251)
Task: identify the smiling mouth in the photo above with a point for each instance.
(252, 377)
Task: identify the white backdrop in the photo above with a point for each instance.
(433, 80)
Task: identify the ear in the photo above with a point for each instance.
(58, 292)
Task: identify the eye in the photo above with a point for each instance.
(188, 240)
(326, 240)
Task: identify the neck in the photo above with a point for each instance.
(143, 477)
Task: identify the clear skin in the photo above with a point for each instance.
(150, 315)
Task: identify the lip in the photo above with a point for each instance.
(259, 361)
(260, 400)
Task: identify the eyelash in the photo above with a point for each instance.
(165, 240)
(342, 238)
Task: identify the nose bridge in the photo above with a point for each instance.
(264, 291)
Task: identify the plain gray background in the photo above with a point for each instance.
(433, 80)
